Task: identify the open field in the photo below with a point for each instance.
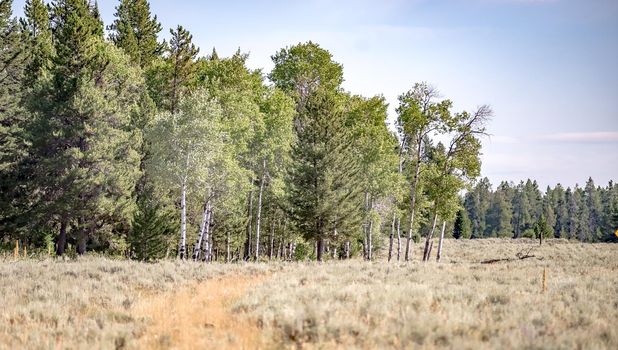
(458, 303)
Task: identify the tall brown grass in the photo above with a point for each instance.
(98, 303)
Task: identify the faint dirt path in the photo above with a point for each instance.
(199, 317)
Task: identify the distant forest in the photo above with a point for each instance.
(117, 142)
(587, 213)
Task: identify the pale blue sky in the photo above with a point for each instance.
(549, 68)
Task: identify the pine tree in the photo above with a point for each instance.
(499, 215)
(41, 47)
(584, 233)
(136, 31)
(84, 162)
(98, 21)
(523, 211)
(12, 116)
(325, 196)
(462, 227)
(560, 209)
(477, 203)
(182, 54)
(573, 221)
(595, 210)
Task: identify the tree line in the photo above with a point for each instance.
(114, 141)
(589, 213)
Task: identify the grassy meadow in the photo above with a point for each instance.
(566, 297)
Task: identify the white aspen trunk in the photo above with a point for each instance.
(335, 245)
(366, 229)
(200, 237)
(391, 239)
(369, 241)
(258, 221)
(183, 220)
(207, 245)
(428, 241)
(429, 251)
(439, 256)
(347, 250)
(417, 172)
(248, 243)
(398, 239)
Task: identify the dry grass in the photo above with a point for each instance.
(459, 303)
(90, 303)
(200, 317)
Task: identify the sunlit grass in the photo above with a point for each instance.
(458, 303)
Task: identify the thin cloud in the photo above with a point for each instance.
(502, 139)
(582, 137)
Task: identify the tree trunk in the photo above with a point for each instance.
(258, 221)
(398, 238)
(320, 248)
(429, 251)
(271, 240)
(248, 244)
(370, 241)
(227, 247)
(439, 256)
(417, 172)
(183, 221)
(62, 238)
(82, 239)
(391, 238)
(200, 237)
(428, 241)
(206, 240)
(335, 245)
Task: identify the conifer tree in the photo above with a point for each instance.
(41, 47)
(85, 163)
(12, 116)
(462, 227)
(135, 29)
(325, 196)
(181, 57)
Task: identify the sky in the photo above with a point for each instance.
(548, 68)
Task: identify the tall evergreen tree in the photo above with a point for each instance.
(41, 47)
(181, 61)
(12, 65)
(135, 29)
(573, 221)
(595, 210)
(324, 196)
(462, 227)
(559, 204)
(84, 164)
(477, 203)
(500, 213)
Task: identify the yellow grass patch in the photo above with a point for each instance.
(199, 317)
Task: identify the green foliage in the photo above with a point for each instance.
(542, 229)
(135, 30)
(12, 115)
(462, 227)
(324, 193)
(152, 230)
(302, 69)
